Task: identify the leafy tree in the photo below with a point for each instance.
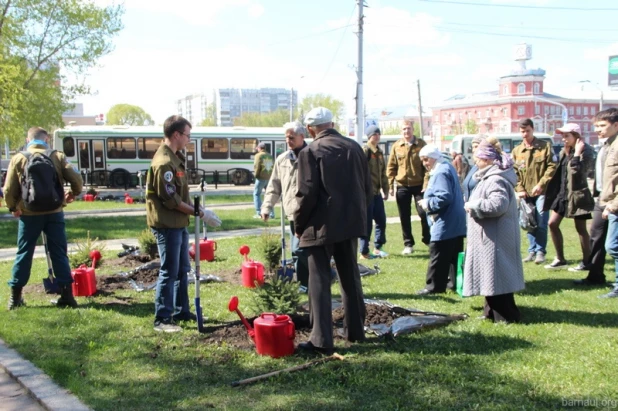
(323, 100)
(273, 119)
(393, 131)
(128, 115)
(42, 43)
(211, 116)
(471, 127)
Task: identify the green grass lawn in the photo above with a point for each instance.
(109, 227)
(111, 205)
(111, 358)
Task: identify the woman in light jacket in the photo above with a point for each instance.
(443, 203)
(568, 194)
(493, 266)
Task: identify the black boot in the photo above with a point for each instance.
(15, 299)
(66, 297)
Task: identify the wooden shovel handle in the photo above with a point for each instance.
(246, 381)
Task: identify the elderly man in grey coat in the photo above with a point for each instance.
(493, 266)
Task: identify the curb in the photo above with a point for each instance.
(40, 387)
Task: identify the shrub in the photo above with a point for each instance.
(81, 253)
(277, 295)
(148, 243)
(270, 247)
(92, 191)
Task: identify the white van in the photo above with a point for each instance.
(462, 143)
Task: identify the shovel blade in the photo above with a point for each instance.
(51, 286)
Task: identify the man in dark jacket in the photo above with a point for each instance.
(333, 191)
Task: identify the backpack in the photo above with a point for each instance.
(41, 188)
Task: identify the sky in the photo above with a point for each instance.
(168, 50)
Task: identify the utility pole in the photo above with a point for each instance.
(292, 104)
(420, 109)
(360, 116)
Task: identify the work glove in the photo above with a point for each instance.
(210, 218)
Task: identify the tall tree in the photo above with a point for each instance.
(128, 115)
(471, 127)
(42, 43)
(323, 100)
(273, 119)
(211, 116)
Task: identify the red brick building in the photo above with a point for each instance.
(520, 94)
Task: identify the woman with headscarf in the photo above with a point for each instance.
(493, 266)
(469, 181)
(443, 203)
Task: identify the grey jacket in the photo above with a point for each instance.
(493, 257)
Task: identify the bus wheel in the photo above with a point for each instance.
(118, 178)
(240, 177)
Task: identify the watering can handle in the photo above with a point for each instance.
(266, 315)
(215, 246)
(292, 330)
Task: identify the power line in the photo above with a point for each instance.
(589, 29)
(338, 46)
(467, 3)
(318, 33)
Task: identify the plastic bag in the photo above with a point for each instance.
(527, 216)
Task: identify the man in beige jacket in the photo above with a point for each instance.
(283, 185)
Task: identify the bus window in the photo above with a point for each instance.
(214, 148)
(121, 147)
(242, 148)
(506, 145)
(280, 147)
(97, 153)
(68, 146)
(147, 146)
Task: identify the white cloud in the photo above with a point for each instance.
(601, 54)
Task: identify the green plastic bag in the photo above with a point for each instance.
(460, 273)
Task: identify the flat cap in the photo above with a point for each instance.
(371, 130)
(317, 116)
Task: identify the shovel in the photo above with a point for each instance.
(198, 308)
(284, 271)
(49, 284)
(233, 306)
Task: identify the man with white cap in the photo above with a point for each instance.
(334, 189)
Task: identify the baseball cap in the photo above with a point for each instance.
(371, 130)
(569, 128)
(261, 145)
(317, 116)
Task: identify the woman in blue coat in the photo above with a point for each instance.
(443, 202)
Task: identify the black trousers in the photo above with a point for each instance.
(598, 233)
(502, 308)
(404, 197)
(442, 267)
(320, 301)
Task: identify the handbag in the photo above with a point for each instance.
(527, 216)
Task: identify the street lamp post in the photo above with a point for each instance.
(598, 88)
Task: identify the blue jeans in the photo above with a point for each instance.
(260, 185)
(172, 295)
(29, 229)
(299, 256)
(375, 212)
(538, 239)
(611, 241)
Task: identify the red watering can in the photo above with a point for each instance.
(252, 271)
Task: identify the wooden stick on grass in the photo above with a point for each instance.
(290, 369)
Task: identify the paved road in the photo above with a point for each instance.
(14, 397)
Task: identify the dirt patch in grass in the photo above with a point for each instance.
(128, 261)
(232, 276)
(234, 334)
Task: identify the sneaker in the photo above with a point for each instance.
(612, 294)
(540, 258)
(167, 326)
(407, 250)
(580, 267)
(256, 216)
(556, 264)
(367, 256)
(380, 253)
(531, 257)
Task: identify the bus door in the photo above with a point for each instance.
(280, 147)
(91, 158)
(194, 175)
